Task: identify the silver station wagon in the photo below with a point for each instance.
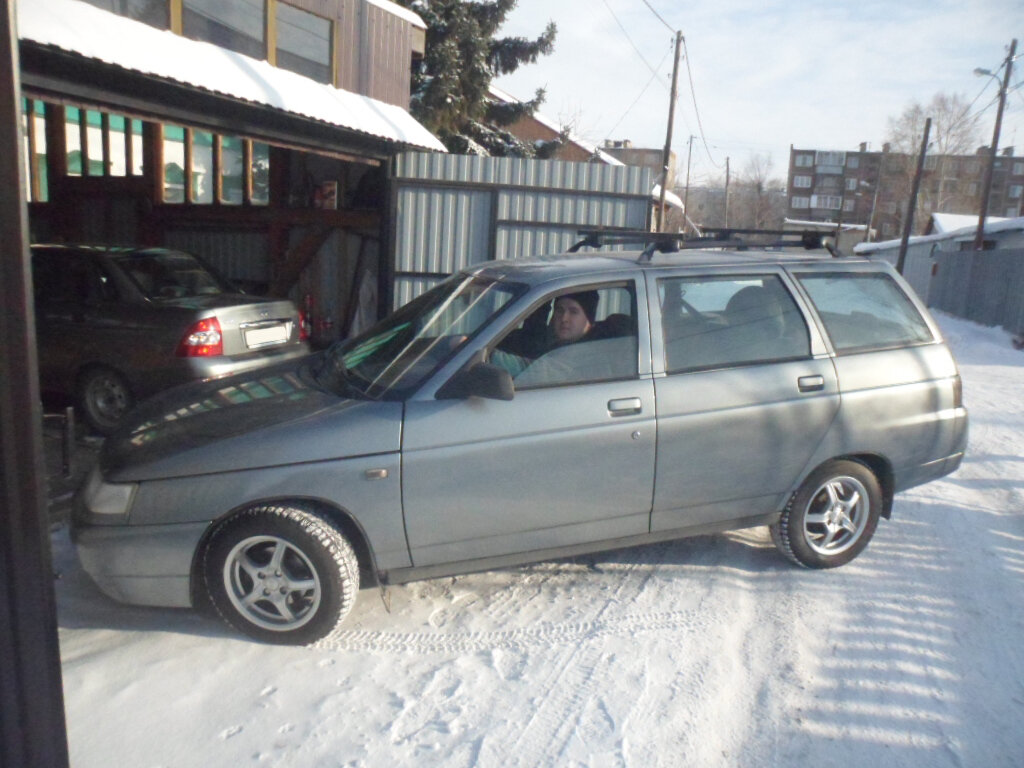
(529, 410)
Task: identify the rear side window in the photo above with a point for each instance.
(718, 322)
(865, 311)
(72, 278)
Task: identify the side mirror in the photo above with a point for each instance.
(479, 380)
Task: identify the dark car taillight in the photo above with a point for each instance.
(202, 339)
(304, 326)
(958, 392)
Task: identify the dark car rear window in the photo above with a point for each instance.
(865, 311)
(171, 275)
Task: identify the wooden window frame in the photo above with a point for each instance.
(216, 165)
(270, 9)
(175, 9)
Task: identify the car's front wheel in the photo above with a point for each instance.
(832, 516)
(281, 574)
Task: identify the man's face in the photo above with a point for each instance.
(569, 321)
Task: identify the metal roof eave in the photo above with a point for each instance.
(53, 74)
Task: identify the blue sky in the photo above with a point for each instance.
(766, 74)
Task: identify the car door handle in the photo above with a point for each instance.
(624, 406)
(811, 383)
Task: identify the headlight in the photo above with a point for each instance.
(106, 503)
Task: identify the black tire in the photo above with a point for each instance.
(105, 398)
(281, 574)
(832, 516)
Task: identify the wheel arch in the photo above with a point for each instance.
(341, 518)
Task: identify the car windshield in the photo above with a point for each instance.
(391, 359)
(171, 275)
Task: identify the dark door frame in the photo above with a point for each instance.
(32, 728)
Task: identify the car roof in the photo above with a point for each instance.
(537, 269)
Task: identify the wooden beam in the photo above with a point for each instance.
(83, 140)
(260, 215)
(286, 273)
(246, 172)
(105, 140)
(30, 132)
(218, 182)
(129, 146)
(189, 197)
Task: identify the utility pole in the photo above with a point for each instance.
(686, 191)
(878, 186)
(909, 222)
(726, 193)
(986, 184)
(668, 135)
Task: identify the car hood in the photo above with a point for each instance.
(269, 417)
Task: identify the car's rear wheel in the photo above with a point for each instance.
(832, 517)
(281, 574)
(104, 397)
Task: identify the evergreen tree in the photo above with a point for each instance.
(462, 56)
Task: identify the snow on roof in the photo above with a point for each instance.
(993, 224)
(671, 198)
(824, 225)
(404, 13)
(82, 29)
(947, 222)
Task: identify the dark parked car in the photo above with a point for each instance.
(115, 325)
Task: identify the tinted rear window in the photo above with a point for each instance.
(865, 311)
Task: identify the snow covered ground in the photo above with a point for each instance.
(707, 652)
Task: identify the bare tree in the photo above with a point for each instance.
(759, 201)
(954, 132)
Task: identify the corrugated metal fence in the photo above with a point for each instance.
(452, 211)
(984, 286)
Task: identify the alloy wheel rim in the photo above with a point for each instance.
(272, 583)
(836, 515)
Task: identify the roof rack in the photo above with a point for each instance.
(724, 237)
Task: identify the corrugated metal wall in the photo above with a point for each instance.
(242, 255)
(452, 211)
(985, 286)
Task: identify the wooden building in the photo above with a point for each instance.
(258, 140)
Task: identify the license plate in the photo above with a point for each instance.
(259, 337)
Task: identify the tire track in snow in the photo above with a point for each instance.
(543, 635)
(566, 693)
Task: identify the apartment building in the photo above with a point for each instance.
(863, 187)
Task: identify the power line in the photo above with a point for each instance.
(637, 99)
(696, 111)
(626, 34)
(667, 25)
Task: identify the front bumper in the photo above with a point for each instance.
(141, 564)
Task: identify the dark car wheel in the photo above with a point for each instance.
(104, 398)
(832, 517)
(281, 574)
